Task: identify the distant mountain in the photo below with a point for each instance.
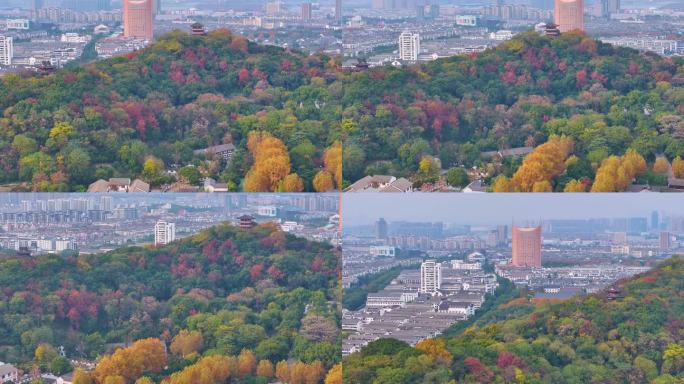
(632, 332)
(258, 293)
(64, 130)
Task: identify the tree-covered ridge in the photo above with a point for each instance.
(227, 291)
(66, 129)
(632, 334)
(606, 99)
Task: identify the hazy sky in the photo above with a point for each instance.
(492, 208)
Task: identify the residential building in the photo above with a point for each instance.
(409, 46)
(306, 11)
(381, 229)
(8, 373)
(569, 15)
(430, 276)
(6, 50)
(164, 232)
(526, 246)
(138, 19)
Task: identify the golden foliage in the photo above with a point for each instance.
(146, 355)
(334, 375)
(271, 163)
(436, 350)
(616, 173)
(332, 158)
(209, 370)
(544, 163)
(186, 343)
(575, 186)
(678, 167)
(323, 181)
(661, 165)
(265, 369)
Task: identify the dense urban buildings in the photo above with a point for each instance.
(569, 15)
(138, 18)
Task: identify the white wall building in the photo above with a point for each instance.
(382, 250)
(409, 46)
(6, 50)
(430, 276)
(164, 232)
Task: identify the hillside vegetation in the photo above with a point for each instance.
(138, 114)
(637, 337)
(599, 100)
(253, 298)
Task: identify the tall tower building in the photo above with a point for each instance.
(430, 276)
(569, 15)
(306, 11)
(655, 220)
(381, 229)
(665, 241)
(526, 246)
(338, 11)
(164, 232)
(157, 7)
(409, 46)
(6, 50)
(138, 19)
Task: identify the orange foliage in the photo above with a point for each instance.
(436, 349)
(546, 162)
(334, 375)
(323, 182)
(146, 355)
(332, 158)
(271, 163)
(661, 165)
(187, 343)
(209, 370)
(246, 363)
(678, 167)
(616, 173)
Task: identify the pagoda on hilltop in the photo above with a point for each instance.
(198, 29)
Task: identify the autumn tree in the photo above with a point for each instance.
(323, 181)
(208, 370)
(542, 165)
(661, 165)
(291, 183)
(334, 375)
(246, 363)
(332, 158)
(282, 372)
(436, 349)
(575, 186)
(271, 163)
(678, 167)
(616, 173)
(265, 369)
(186, 343)
(146, 355)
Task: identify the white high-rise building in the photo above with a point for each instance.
(430, 276)
(6, 50)
(409, 46)
(164, 232)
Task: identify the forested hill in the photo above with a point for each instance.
(606, 99)
(259, 294)
(69, 128)
(634, 334)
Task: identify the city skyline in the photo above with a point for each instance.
(481, 209)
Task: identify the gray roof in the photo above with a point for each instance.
(6, 369)
(215, 149)
(139, 186)
(398, 185)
